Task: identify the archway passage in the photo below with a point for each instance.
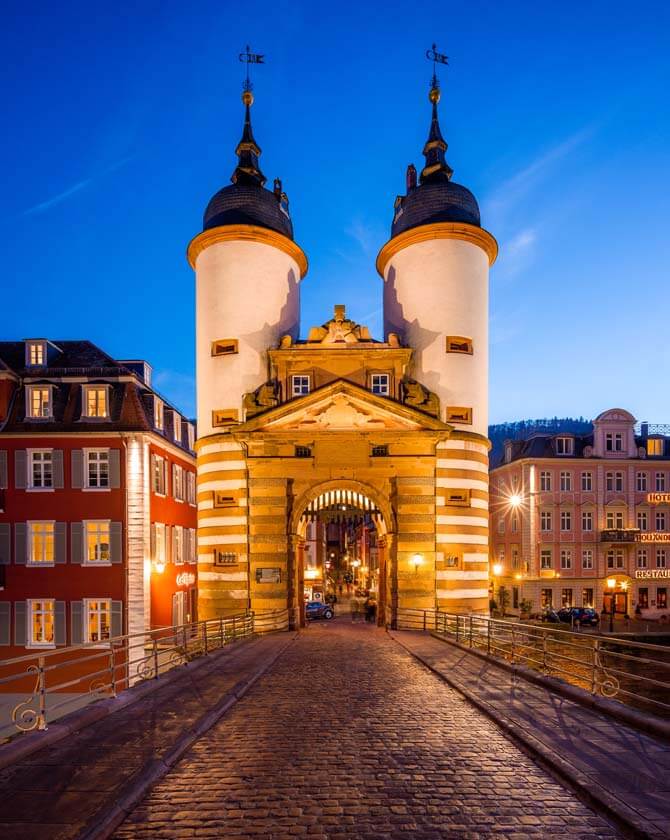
(341, 557)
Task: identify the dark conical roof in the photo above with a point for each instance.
(437, 198)
(246, 201)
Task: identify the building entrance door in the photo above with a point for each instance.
(620, 602)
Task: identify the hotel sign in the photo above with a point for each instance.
(653, 537)
(658, 498)
(652, 574)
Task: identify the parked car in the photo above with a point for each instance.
(550, 614)
(317, 609)
(584, 616)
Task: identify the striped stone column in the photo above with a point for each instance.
(462, 523)
(223, 554)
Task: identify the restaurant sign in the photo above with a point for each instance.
(185, 579)
(652, 574)
(653, 537)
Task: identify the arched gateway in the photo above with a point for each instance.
(386, 435)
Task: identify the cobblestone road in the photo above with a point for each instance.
(348, 736)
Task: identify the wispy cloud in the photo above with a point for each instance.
(48, 203)
(178, 387)
(365, 235)
(517, 253)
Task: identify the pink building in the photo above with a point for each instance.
(581, 520)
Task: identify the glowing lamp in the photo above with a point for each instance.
(417, 560)
(515, 500)
(497, 569)
(159, 566)
(611, 583)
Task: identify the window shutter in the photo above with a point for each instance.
(115, 544)
(20, 625)
(153, 540)
(57, 466)
(174, 480)
(114, 468)
(117, 618)
(76, 622)
(5, 622)
(3, 469)
(186, 545)
(59, 621)
(20, 469)
(20, 543)
(77, 469)
(166, 473)
(60, 542)
(152, 466)
(5, 543)
(193, 557)
(77, 542)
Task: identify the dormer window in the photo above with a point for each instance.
(176, 427)
(508, 452)
(38, 402)
(654, 446)
(380, 383)
(190, 431)
(299, 386)
(96, 401)
(36, 353)
(614, 442)
(159, 414)
(565, 446)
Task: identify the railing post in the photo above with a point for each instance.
(457, 623)
(155, 654)
(204, 628)
(112, 668)
(545, 668)
(594, 666)
(221, 630)
(424, 621)
(488, 636)
(470, 630)
(42, 719)
(234, 627)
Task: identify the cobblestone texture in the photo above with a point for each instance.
(348, 736)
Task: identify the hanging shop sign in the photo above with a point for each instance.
(653, 537)
(185, 579)
(658, 498)
(652, 574)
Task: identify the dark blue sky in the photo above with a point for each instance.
(120, 122)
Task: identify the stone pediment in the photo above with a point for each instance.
(343, 406)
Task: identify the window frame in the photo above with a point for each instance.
(565, 559)
(30, 390)
(587, 559)
(30, 346)
(159, 414)
(641, 481)
(87, 390)
(546, 559)
(30, 613)
(86, 621)
(86, 454)
(85, 527)
(565, 481)
(587, 479)
(546, 521)
(545, 481)
(301, 384)
(30, 470)
(30, 525)
(587, 517)
(565, 446)
(380, 375)
(565, 517)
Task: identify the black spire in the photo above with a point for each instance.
(248, 171)
(436, 169)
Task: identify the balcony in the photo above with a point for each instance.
(619, 535)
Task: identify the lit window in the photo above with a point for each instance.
(39, 401)
(587, 597)
(40, 469)
(35, 353)
(190, 487)
(96, 467)
(178, 482)
(41, 543)
(566, 597)
(545, 520)
(660, 558)
(662, 597)
(566, 481)
(190, 431)
(96, 401)
(545, 558)
(614, 519)
(299, 386)
(660, 482)
(615, 558)
(97, 542)
(643, 597)
(545, 481)
(587, 482)
(159, 414)
(98, 619)
(160, 550)
(641, 482)
(566, 558)
(655, 446)
(587, 558)
(642, 520)
(565, 446)
(642, 558)
(178, 545)
(176, 427)
(192, 546)
(566, 520)
(42, 623)
(587, 520)
(545, 598)
(379, 384)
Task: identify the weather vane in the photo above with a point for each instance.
(250, 58)
(437, 58)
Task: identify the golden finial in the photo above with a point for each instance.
(434, 95)
(247, 97)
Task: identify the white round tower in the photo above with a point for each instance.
(436, 273)
(248, 271)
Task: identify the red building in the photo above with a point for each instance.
(97, 499)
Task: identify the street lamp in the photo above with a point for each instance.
(416, 561)
(515, 500)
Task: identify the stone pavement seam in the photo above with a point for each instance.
(103, 824)
(631, 717)
(588, 789)
(26, 744)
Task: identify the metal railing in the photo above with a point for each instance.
(55, 682)
(635, 673)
